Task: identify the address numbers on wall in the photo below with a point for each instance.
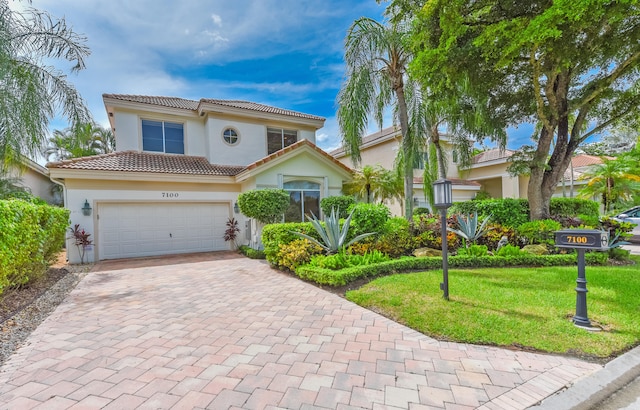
(170, 194)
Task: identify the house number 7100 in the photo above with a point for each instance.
(169, 194)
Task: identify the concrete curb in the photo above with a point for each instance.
(591, 390)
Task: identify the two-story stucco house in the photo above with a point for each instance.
(179, 166)
(381, 148)
(488, 170)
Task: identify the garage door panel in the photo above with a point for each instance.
(148, 229)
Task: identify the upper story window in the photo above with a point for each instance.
(277, 138)
(162, 136)
(230, 136)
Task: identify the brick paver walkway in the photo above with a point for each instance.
(232, 333)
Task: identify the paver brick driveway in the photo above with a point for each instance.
(232, 333)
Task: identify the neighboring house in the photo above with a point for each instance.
(381, 148)
(178, 169)
(488, 171)
(35, 178)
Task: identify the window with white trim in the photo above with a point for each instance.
(278, 138)
(230, 136)
(304, 199)
(162, 136)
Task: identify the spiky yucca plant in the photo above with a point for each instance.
(333, 238)
(469, 230)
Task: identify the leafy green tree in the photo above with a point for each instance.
(543, 62)
(614, 181)
(31, 90)
(80, 140)
(377, 59)
(264, 205)
(374, 184)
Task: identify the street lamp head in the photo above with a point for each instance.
(442, 194)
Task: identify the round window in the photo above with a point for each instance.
(230, 136)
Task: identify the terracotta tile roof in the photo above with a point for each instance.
(585, 160)
(251, 106)
(175, 102)
(293, 147)
(134, 161)
(454, 181)
(492, 155)
(172, 102)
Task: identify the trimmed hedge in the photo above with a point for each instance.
(407, 264)
(340, 203)
(514, 212)
(31, 236)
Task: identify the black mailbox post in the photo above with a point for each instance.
(581, 240)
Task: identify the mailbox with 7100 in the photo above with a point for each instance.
(581, 240)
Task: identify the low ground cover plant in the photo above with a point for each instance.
(527, 307)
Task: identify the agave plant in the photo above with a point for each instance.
(333, 238)
(469, 230)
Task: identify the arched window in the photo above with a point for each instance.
(304, 199)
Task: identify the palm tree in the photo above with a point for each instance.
(80, 140)
(614, 180)
(32, 92)
(377, 58)
(373, 184)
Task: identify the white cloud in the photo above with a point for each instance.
(217, 20)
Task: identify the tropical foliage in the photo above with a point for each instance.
(375, 184)
(614, 181)
(32, 90)
(265, 205)
(80, 140)
(468, 228)
(333, 237)
(570, 66)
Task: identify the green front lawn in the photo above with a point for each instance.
(523, 307)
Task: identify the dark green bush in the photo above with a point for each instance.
(274, 235)
(570, 207)
(368, 218)
(408, 264)
(31, 236)
(251, 253)
(396, 238)
(507, 211)
(538, 232)
(264, 205)
(341, 203)
(421, 211)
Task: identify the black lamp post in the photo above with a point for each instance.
(442, 196)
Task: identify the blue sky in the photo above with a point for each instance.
(285, 53)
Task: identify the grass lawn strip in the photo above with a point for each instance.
(523, 307)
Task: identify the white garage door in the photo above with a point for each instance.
(147, 229)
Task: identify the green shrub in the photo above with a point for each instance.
(495, 233)
(341, 203)
(251, 253)
(31, 235)
(296, 253)
(396, 239)
(343, 260)
(368, 217)
(507, 211)
(474, 250)
(274, 235)
(538, 232)
(509, 250)
(570, 207)
(264, 205)
(407, 264)
(421, 211)
(427, 233)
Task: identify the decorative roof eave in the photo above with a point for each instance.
(110, 103)
(289, 152)
(62, 173)
(206, 107)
